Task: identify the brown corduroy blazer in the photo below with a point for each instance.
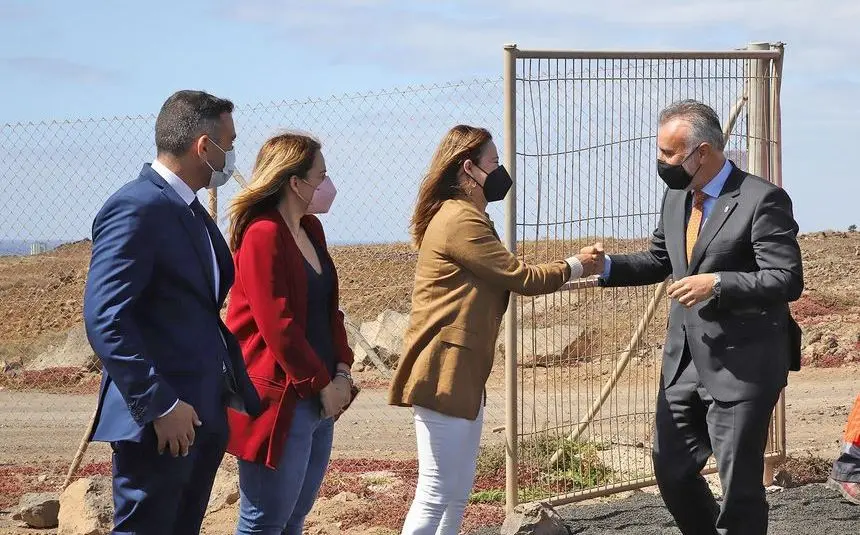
(463, 281)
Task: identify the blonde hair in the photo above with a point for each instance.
(441, 183)
(280, 157)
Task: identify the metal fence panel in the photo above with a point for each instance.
(586, 361)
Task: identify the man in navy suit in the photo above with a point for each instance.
(159, 275)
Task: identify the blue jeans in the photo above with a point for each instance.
(276, 502)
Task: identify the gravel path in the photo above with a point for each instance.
(808, 510)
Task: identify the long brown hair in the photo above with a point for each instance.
(280, 158)
(441, 183)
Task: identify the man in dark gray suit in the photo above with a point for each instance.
(729, 241)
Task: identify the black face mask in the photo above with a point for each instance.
(497, 184)
(675, 176)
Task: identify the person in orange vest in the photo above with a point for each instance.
(845, 476)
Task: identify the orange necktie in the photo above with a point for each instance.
(694, 223)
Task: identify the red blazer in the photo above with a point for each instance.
(268, 312)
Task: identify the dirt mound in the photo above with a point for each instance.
(829, 309)
(41, 296)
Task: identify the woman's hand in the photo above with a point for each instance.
(332, 399)
(344, 388)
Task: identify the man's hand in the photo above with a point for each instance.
(693, 289)
(593, 259)
(176, 429)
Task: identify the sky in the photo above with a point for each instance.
(88, 59)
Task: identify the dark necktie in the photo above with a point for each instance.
(204, 238)
(232, 399)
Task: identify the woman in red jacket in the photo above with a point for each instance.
(284, 311)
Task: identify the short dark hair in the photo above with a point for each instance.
(704, 122)
(186, 116)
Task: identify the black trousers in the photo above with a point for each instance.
(690, 426)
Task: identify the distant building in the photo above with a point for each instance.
(38, 247)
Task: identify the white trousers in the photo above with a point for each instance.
(447, 455)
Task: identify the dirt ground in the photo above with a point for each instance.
(37, 426)
(42, 417)
(42, 431)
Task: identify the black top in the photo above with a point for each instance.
(320, 295)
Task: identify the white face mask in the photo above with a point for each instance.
(219, 178)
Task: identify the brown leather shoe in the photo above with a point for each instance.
(849, 491)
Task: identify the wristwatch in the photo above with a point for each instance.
(716, 288)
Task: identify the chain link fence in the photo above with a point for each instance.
(588, 360)
(58, 174)
(584, 150)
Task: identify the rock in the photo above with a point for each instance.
(225, 490)
(327, 516)
(381, 481)
(86, 507)
(385, 335)
(361, 348)
(560, 344)
(534, 519)
(75, 353)
(359, 355)
(352, 338)
(39, 510)
(783, 478)
(344, 497)
(10, 367)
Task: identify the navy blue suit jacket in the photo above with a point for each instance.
(152, 316)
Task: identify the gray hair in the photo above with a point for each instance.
(186, 116)
(703, 120)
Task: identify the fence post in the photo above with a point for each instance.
(758, 72)
(776, 178)
(776, 117)
(759, 126)
(510, 159)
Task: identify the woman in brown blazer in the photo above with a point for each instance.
(462, 283)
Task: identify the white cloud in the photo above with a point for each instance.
(52, 69)
(459, 38)
(448, 39)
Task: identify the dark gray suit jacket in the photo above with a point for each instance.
(744, 342)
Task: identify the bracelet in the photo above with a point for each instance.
(345, 375)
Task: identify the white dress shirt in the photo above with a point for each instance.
(575, 268)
